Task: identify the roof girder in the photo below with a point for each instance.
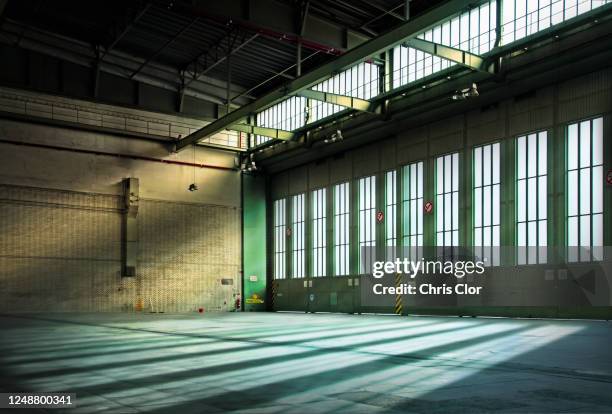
(400, 34)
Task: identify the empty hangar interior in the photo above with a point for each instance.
(194, 195)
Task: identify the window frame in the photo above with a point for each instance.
(533, 253)
(440, 207)
(489, 253)
(318, 220)
(298, 237)
(368, 214)
(342, 243)
(279, 239)
(408, 203)
(584, 255)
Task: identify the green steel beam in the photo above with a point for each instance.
(467, 59)
(373, 47)
(341, 100)
(266, 132)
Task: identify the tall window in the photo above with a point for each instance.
(525, 17)
(531, 198)
(319, 236)
(297, 248)
(486, 203)
(367, 223)
(447, 200)
(280, 230)
(341, 229)
(412, 210)
(390, 218)
(585, 183)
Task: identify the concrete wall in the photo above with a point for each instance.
(61, 218)
(549, 108)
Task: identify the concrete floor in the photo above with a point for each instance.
(297, 363)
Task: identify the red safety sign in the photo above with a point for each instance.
(428, 207)
(380, 216)
(609, 177)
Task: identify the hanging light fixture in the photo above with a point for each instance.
(248, 164)
(193, 186)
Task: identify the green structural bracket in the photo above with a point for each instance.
(463, 58)
(341, 100)
(266, 132)
(254, 252)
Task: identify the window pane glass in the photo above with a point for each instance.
(585, 231)
(478, 207)
(598, 181)
(572, 193)
(598, 230)
(598, 141)
(585, 191)
(542, 153)
(572, 147)
(532, 192)
(542, 197)
(532, 153)
(478, 167)
(521, 200)
(572, 231)
(585, 144)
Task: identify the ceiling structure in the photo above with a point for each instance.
(248, 56)
(200, 47)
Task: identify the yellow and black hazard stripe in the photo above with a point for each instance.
(274, 289)
(398, 297)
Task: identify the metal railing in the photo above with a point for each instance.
(111, 117)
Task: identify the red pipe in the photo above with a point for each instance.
(291, 38)
(114, 154)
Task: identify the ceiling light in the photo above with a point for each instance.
(336, 136)
(248, 164)
(466, 93)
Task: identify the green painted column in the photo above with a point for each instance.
(254, 242)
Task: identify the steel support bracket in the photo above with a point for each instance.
(341, 100)
(461, 57)
(279, 134)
